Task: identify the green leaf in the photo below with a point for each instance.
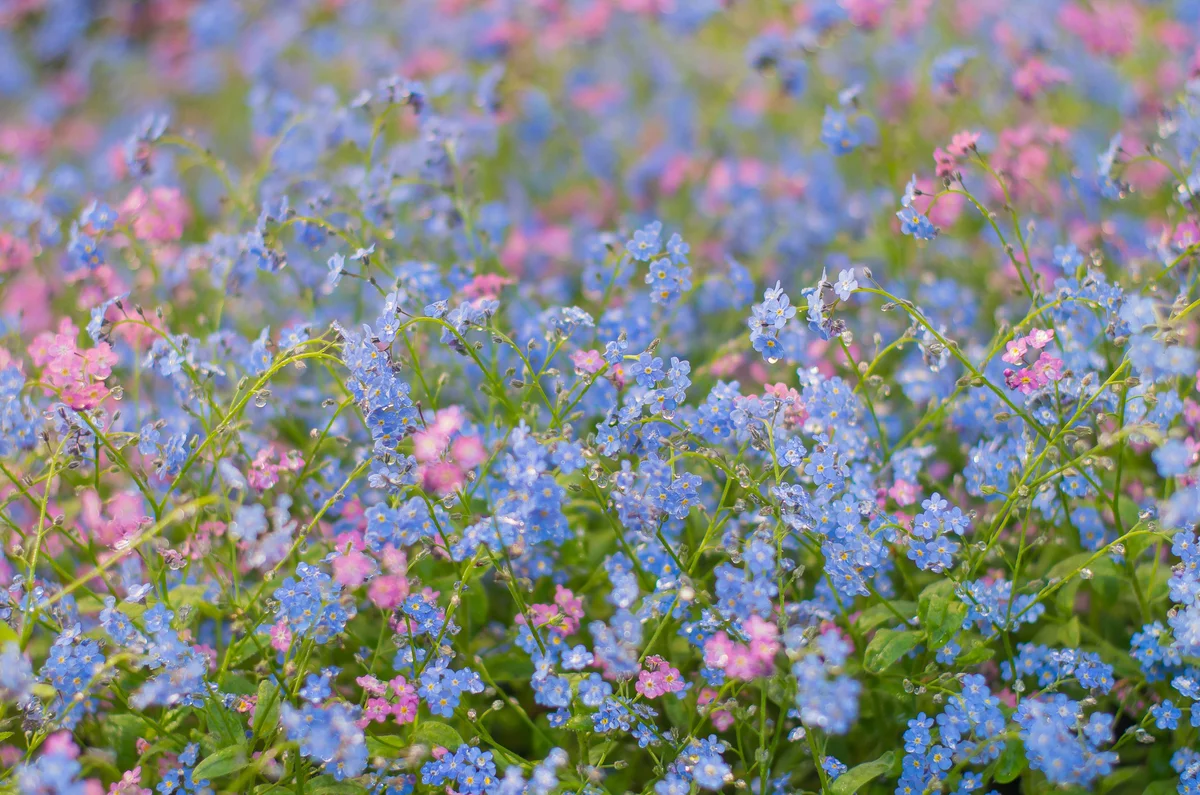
(225, 725)
(1154, 580)
(193, 596)
(1011, 763)
(93, 763)
(854, 778)
(974, 651)
(1117, 778)
(510, 668)
(388, 746)
(579, 723)
(941, 612)
(877, 615)
(328, 785)
(1068, 633)
(222, 763)
(121, 733)
(266, 709)
(1135, 546)
(1102, 568)
(1165, 787)
(888, 646)
(7, 635)
(434, 733)
(237, 685)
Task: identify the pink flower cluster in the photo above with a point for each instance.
(794, 412)
(390, 589)
(78, 375)
(402, 706)
(486, 285)
(947, 159)
(116, 518)
(721, 719)
(130, 784)
(561, 617)
(1105, 28)
(749, 660)
(157, 216)
(659, 678)
(264, 471)
(445, 454)
(1045, 370)
(904, 492)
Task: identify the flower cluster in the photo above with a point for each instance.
(525, 398)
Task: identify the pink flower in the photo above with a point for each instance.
(661, 678)
(264, 472)
(569, 603)
(428, 445)
(1040, 338)
(1049, 368)
(742, 664)
(866, 13)
(388, 591)
(1025, 380)
(84, 396)
(27, 299)
(442, 478)
(486, 285)
(1191, 412)
(372, 685)
(61, 744)
(717, 650)
(1105, 28)
(405, 709)
(468, 452)
(401, 688)
(394, 560)
(281, 637)
(377, 709)
(448, 421)
(98, 361)
(650, 684)
(1187, 234)
(764, 643)
(352, 568)
(158, 216)
(903, 492)
(794, 412)
(1036, 76)
(589, 361)
(130, 784)
(1015, 351)
(15, 253)
(48, 344)
(963, 142)
(944, 162)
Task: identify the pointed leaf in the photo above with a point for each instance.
(1011, 762)
(434, 733)
(222, 763)
(888, 646)
(941, 613)
(849, 782)
(266, 709)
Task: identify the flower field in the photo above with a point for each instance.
(518, 397)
